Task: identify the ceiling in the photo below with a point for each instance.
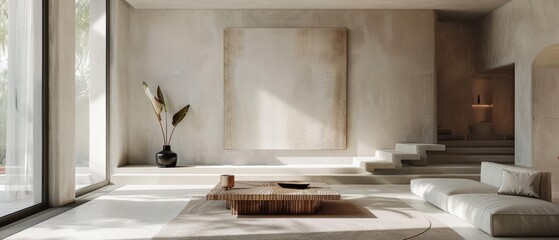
(448, 8)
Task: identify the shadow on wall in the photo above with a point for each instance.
(545, 80)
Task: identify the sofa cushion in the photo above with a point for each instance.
(520, 184)
(491, 174)
(437, 190)
(504, 215)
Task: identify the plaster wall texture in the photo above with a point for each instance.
(285, 88)
(391, 85)
(516, 33)
(502, 87)
(118, 144)
(546, 119)
(456, 53)
(61, 103)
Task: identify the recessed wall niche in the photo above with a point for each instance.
(285, 88)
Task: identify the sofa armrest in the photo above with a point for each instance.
(545, 186)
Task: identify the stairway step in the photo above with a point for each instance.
(476, 151)
(395, 155)
(371, 163)
(419, 148)
(478, 143)
(487, 137)
(204, 179)
(432, 169)
(450, 137)
(444, 131)
(406, 178)
(503, 159)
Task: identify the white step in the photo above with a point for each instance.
(419, 148)
(208, 175)
(396, 156)
(390, 159)
(301, 169)
(372, 163)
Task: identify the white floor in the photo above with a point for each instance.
(139, 212)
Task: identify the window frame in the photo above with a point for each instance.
(44, 204)
(95, 186)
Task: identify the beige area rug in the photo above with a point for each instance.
(361, 218)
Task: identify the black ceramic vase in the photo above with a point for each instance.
(166, 158)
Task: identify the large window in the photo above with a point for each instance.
(21, 105)
(90, 92)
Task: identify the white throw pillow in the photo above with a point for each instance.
(520, 183)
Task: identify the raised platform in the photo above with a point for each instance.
(209, 175)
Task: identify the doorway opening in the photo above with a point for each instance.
(481, 128)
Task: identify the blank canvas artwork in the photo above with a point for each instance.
(285, 88)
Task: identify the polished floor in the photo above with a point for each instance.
(140, 211)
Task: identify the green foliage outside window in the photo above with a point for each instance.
(3, 78)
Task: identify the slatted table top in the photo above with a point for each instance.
(270, 191)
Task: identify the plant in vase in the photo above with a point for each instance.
(165, 158)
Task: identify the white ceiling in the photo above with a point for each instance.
(459, 8)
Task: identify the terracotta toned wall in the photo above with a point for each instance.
(502, 87)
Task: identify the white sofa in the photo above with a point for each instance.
(498, 215)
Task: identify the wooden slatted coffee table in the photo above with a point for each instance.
(251, 198)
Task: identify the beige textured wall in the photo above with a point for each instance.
(516, 33)
(456, 52)
(546, 120)
(118, 142)
(546, 115)
(61, 103)
(391, 92)
(285, 88)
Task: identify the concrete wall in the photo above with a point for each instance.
(516, 33)
(391, 87)
(456, 52)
